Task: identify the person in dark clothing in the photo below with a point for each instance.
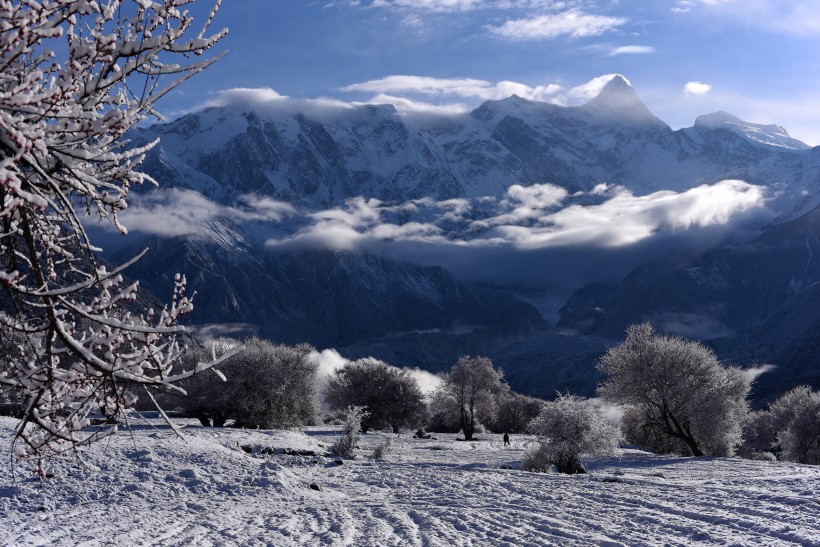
(506, 440)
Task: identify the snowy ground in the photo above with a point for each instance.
(151, 488)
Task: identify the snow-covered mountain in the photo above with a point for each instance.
(322, 156)
(362, 304)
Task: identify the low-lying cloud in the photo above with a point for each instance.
(527, 218)
(538, 235)
(395, 88)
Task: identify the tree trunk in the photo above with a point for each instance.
(467, 425)
(693, 446)
(674, 428)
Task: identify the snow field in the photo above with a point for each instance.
(151, 488)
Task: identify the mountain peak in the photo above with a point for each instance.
(618, 100)
(757, 134)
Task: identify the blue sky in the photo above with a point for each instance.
(757, 59)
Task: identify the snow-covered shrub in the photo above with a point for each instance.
(392, 396)
(75, 77)
(795, 420)
(345, 445)
(568, 428)
(676, 388)
(383, 448)
(537, 459)
(272, 386)
(473, 384)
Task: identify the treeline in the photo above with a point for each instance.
(672, 395)
(272, 386)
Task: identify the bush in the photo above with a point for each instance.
(383, 448)
(445, 416)
(568, 428)
(513, 412)
(393, 398)
(345, 446)
(537, 459)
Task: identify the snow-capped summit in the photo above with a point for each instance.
(758, 134)
(618, 101)
(321, 155)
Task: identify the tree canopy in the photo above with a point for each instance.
(391, 395)
(676, 388)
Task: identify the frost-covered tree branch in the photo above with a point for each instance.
(75, 77)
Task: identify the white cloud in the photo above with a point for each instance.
(794, 17)
(265, 98)
(572, 23)
(754, 373)
(527, 219)
(178, 213)
(451, 6)
(226, 333)
(467, 89)
(631, 50)
(586, 91)
(329, 361)
(696, 89)
(461, 87)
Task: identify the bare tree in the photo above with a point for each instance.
(677, 388)
(74, 78)
(472, 383)
(568, 428)
(392, 396)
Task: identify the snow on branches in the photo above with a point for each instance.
(75, 77)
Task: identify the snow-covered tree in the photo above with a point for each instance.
(472, 383)
(273, 385)
(513, 412)
(75, 76)
(392, 396)
(794, 419)
(445, 415)
(676, 388)
(568, 428)
(208, 395)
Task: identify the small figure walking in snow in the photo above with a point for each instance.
(506, 440)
